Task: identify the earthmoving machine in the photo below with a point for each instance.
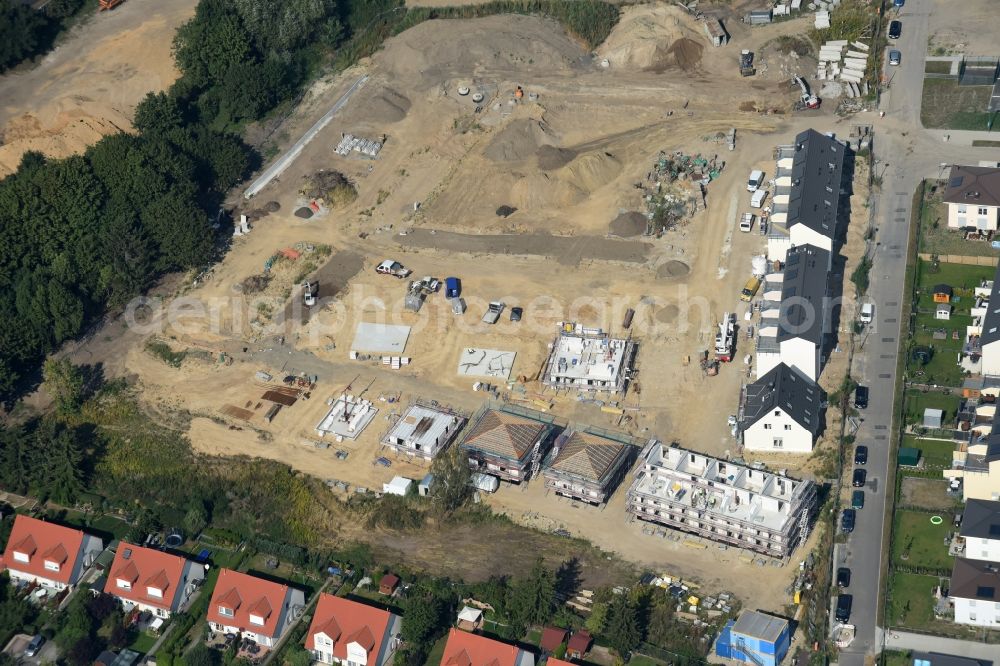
(109, 4)
(725, 339)
(746, 63)
(309, 292)
(708, 366)
(807, 100)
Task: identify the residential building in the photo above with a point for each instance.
(938, 659)
(465, 649)
(589, 359)
(152, 580)
(722, 501)
(973, 198)
(352, 633)
(254, 608)
(808, 189)
(975, 592)
(983, 335)
(976, 464)
(793, 331)
(50, 555)
(507, 442)
(980, 530)
(422, 431)
(781, 411)
(588, 465)
(755, 638)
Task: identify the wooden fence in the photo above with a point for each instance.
(960, 259)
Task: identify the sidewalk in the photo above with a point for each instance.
(965, 138)
(901, 640)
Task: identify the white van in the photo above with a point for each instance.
(757, 198)
(867, 313)
(755, 181)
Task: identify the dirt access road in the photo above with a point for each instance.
(89, 85)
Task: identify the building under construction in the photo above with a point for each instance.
(423, 431)
(508, 442)
(589, 359)
(589, 464)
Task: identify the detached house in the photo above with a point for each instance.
(781, 412)
(50, 555)
(464, 649)
(152, 580)
(352, 633)
(973, 198)
(257, 609)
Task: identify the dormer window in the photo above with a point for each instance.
(225, 612)
(154, 592)
(51, 566)
(124, 584)
(257, 620)
(21, 557)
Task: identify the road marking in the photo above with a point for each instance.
(892, 304)
(888, 356)
(879, 436)
(890, 320)
(881, 427)
(888, 339)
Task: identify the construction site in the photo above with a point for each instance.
(587, 206)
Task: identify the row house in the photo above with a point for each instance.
(46, 554)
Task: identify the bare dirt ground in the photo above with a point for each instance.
(926, 493)
(89, 85)
(961, 27)
(568, 161)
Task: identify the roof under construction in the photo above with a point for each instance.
(501, 433)
(587, 455)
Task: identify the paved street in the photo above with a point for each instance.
(905, 154)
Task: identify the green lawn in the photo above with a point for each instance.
(533, 637)
(911, 600)
(918, 543)
(947, 105)
(143, 642)
(895, 658)
(436, 653)
(935, 236)
(935, 454)
(959, 276)
(916, 402)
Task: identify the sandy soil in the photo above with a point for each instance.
(90, 84)
(567, 161)
(963, 27)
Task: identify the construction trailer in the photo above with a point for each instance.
(754, 638)
(716, 32)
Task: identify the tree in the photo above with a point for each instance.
(452, 478)
(64, 382)
(21, 28)
(568, 578)
(201, 655)
(623, 632)
(196, 518)
(533, 599)
(423, 617)
(60, 472)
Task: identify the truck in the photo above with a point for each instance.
(725, 339)
(393, 268)
(493, 312)
(757, 198)
(755, 180)
(750, 289)
(310, 290)
(485, 482)
(746, 63)
(746, 222)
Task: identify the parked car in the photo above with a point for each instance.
(861, 397)
(861, 455)
(516, 314)
(858, 499)
(843, 577)
(895, 29)
(859, 478)
(844, 603)
(895, 57)
(847, 520)
(867, 313)
(34, 646)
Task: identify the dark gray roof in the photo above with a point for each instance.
(938, 659)
(787, 389)
(760, 625)
(993, 440)
(973, 185)
(803, 294)
(991, 322)
(817, 174)
(981, 520)
(975, 579)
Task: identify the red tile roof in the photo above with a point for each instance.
(247, 595)
(42, 541)
(465, 649)
(552, 637)
(389, 581)
(579, 642)
(144, 568)
(345, 621)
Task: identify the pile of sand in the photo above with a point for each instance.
(687, 54)
(568, 185)
(518, 141)
(388, 106)
(591, 171)
(672, 269)
(551, 157)
(644, 35)
(628, 224)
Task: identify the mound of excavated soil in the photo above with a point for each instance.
(629, 224)
(388, 106)
(687, 53)
(668, 314)
(272, 206)
(517, 141)
(550, 157)
(672, 269)
(642, 38)
(591, 171)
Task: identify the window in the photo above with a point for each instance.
(972, 617)
(778, 443)
(767, 426)
(124, 584)
(21, 557)
(154, 592)
(777, 412)
(257, 619)
(788, 426)
(51, 566)
(225, 612)
(972, 603)
(984, 211)
(961, 209)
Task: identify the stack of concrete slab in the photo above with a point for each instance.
(844, 62)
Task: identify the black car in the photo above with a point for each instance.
(843, 577)
(516, 314)
(858, 499)
(895, 29)
(844, 603)
(861, 455)
(861, 397)
(847, 520)
(859, 478)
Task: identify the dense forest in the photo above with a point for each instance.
(86, 233)
(26, 33)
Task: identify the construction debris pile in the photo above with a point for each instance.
(675, 188)
(844, 62)
(331, 188)
(350, 143)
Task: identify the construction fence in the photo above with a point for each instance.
(960, 259)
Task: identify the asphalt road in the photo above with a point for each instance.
(905, 154)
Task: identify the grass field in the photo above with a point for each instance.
(937, 66)
(916, 402)
(918, 543)
(143, 642)
(936, 454)
(947, 105)
(912, 600)
(896, 658)
(936, 237)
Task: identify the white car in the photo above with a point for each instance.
(867, 313)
